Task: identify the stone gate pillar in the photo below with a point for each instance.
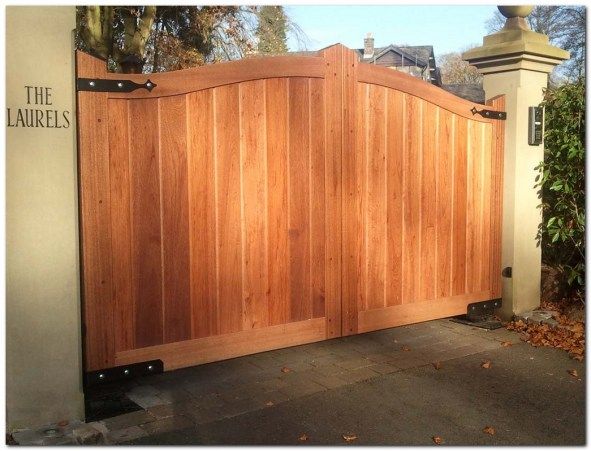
(516, 62)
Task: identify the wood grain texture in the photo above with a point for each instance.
(95, 212)
(249, 206)
(229, 209)
(336, 65)
(382, 76)
(395, 142)
(498, 145)
(146, 235)
(203, 195)
(119, 174)
(220, 347)
(253, 157)
(277, 203)
(176, 289)
(222, 74)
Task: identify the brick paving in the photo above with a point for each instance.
(201, 397)
(203, 394)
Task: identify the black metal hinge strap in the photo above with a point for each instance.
(490, 114)
(103, 85)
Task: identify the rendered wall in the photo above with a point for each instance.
(43, 335)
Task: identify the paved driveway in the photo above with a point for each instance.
(381, 387)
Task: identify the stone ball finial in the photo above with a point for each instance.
(510, 11)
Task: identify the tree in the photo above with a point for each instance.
(159, 38)
(565, 27)
(454, 70)
(272, 30)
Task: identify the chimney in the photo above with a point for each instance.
(368, 47)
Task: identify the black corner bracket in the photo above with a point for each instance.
(117, 373)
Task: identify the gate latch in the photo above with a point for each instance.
(104, 85)
(490, 114)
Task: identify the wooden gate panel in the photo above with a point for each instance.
(420, 204)
(253, 205)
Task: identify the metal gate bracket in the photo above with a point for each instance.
(481, 314)
(107, 375)
(490, 114)
(104, 85)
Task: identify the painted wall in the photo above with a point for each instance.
(43, 338)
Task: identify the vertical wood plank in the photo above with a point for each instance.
(375, 176)
(228, 222)
(337, 95)
(412, 202)
(459, 207)
(485, 202)
(95, 207)
(176, 287)
(146, 248)
(445, 184)
(299, 199)
(121, 224)
(497, 197)
(202, 213)
(278, 261)
(429, 201)
(395, 122)
(474, 222)
(317, 195)
(254, 198)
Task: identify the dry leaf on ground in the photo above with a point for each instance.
(506, 344)
(303, 438)
(569, 335)
(405, 348)
(486, 364)
(437, 440)
(573, 373)
(437, 365)
(269, 403)
(349, 437)
(285, 369)
(489, 430)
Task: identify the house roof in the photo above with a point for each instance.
(418, 53)
(472, 92)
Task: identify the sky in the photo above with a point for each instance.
(446, 28)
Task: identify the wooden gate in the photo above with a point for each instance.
(269, 202)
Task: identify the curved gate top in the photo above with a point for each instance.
(269, 202)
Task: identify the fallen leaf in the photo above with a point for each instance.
(285, 369)
(438, 440)
(303, 438)
(573, 373)
(486, 364)
(437, 365)
(63, 423)
(349, 437)
(489, 430)
(506, 344)
(269, 403)
(405, 348)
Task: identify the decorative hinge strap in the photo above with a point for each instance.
(103, 85)
(490, 114)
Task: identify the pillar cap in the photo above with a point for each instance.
(515, 47)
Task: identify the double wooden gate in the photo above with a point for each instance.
(270, 202)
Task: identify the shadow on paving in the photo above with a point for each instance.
(527, 396)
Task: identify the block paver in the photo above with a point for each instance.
(226, 389)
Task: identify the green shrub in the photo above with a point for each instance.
(562, 185)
